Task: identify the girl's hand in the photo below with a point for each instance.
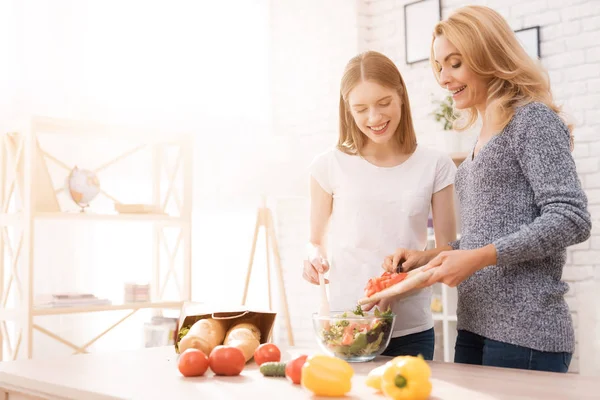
(453, 267)
(409, 259)
(315, 264)
(382, 304)
(310, 274)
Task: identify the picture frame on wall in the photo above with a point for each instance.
(530, 40)
(419, 19)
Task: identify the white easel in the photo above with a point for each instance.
(264, 218)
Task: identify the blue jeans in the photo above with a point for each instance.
(412, 345)
(475, 349)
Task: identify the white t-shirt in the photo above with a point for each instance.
(375, 211)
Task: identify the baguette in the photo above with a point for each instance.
(245, 336)
(205, 335)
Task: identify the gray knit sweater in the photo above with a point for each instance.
(521, 193)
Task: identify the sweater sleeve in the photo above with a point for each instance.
(542, 147)
(455, 244)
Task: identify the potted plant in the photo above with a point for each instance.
(444, 112)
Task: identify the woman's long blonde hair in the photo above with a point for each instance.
(490, 48)
(373, 66)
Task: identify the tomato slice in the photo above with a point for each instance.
(398, 278)
(387, 279)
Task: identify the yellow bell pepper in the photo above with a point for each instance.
(326, 376)
(374, 377)
(406, 378)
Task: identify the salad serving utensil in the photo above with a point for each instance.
(324, 307)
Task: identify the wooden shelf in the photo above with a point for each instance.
(146, 134)
(25, 181)
(104, 307)
(106, 217)
(15, 218)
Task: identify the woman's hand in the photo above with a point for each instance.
(453, 267)
(409, 259)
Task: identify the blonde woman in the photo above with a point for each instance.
(521, 202)
(374, 190)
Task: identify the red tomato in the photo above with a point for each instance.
(398, 278)
(293, 369)
(226, 360)
(267, 352)
(384, 281)
(347, 338)
(192, 362)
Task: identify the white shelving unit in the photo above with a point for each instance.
(20, 201)
(446, 318)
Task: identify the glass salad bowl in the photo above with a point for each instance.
(354, 337)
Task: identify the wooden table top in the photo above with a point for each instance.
(152, 374)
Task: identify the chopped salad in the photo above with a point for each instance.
(350, 337)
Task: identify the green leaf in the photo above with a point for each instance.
(359, 311)
(444, 112)
(182, 332)
(360, 342)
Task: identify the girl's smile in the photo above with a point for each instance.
(380, 129)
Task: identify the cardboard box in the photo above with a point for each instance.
(192, 312)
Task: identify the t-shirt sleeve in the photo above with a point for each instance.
(320, 169)
(445, 172)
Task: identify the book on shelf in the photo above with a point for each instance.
(137, 292)
(69, 300)
(138, 209)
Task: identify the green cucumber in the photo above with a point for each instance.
(273, 368)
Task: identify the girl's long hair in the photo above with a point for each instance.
(373, 66)
(490, 49)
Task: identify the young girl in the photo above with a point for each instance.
(375, 188)
(521, 202)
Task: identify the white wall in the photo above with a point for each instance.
(310, 44)
(570, 52)
(180, 65)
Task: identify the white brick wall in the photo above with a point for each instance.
(311, 41)
(314, 57)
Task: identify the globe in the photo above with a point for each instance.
(83, 186)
